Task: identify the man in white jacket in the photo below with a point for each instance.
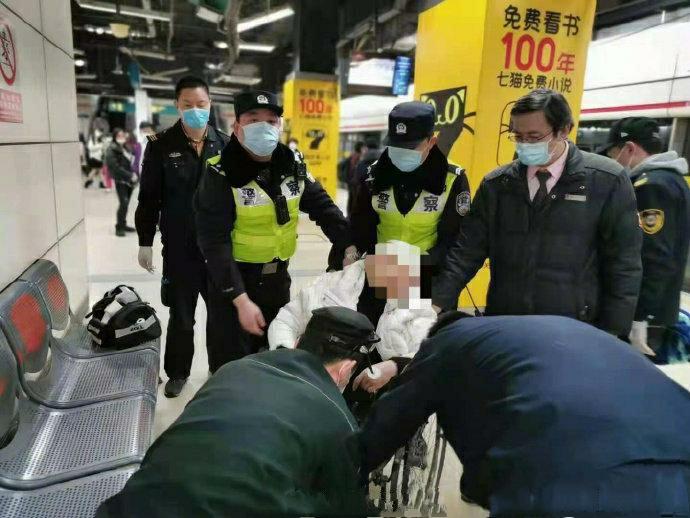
(395, 273)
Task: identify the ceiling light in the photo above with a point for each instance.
(172, 71)
(78, 52)
(263, 19)
(147, 54)
(100, 30)
(90, 28)
(221, 44)
(85, 76)
(104, 7)
(240, 80)
(79, 62)
(219, 90)
(258, 47)
(120, 30)
(150, 77)
(145, 13)
(209, 15)
(151, 86)
(213, 66)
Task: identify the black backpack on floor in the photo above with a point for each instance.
(121, 320)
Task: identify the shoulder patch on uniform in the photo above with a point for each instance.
(462, 203)
(652, 220)
(496, 173)
(455, 169)
(152, 138)
(643, 180)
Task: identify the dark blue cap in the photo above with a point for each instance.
(251, 100)
(410, 123)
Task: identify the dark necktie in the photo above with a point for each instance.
(543, 176)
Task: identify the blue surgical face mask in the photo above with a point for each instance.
(195, 118)
(536, 153)
(407, 160)
(261, 138)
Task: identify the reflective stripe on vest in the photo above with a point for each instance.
(256, 236)
(417, 227)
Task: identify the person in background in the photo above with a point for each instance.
(95, 150)
(350, 163)
(558, 225)
(139, 143)
(663, 205)
(549, 416)
(118, 160)
(173, 165)
(247, 212)
(268, 435)
(371, 152)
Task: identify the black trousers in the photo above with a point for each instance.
(269, 291)
(184, 279)
(124, 193)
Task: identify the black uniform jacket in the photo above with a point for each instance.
(431, 177)
(550, 417)
(215, 209)
(169, 177)
(269, 435)
(578, 256)
(663, 201)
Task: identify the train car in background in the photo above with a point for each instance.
(639, 73)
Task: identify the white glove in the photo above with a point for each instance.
(638, 338)
(146, 258)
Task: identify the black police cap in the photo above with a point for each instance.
(253, 99)
(341, 328)
(409, 123)
(641, 130)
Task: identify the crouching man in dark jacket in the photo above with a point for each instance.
(550, 417)
(268, 435)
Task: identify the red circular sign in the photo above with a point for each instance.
(8, 54)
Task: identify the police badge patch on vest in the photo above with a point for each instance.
(462, 203)
(652, 220)
(248, 195)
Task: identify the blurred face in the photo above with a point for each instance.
(388, 277)
(121, 137)
(253, 116)
(193, 98)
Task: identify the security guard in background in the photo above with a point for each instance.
(269, 435)
(663, 204)
(247, 210)
(173, 163)
(411, 194)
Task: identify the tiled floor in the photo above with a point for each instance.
(113, 260)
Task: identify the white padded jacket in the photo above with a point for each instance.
(401, 330)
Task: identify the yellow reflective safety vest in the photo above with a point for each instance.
(419, 226)
(256, 235)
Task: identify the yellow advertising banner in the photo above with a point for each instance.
(312, 116)
(475, 59)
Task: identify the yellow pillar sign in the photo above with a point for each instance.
(312, 116)
(475, 59)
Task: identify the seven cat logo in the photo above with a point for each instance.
(450, 115)
(316, 136)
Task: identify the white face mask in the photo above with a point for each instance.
(406, 160)
(121, 141)
(261, 138)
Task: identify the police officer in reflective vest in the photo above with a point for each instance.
(663, 204)
(411, 193)
(247, 209)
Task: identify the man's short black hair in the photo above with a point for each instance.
(190, 82)
(555, 107)
(652, 147)
(358, 146)
(145, 124)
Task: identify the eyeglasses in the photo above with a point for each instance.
(529, 140)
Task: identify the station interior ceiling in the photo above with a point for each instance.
(237, 44)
